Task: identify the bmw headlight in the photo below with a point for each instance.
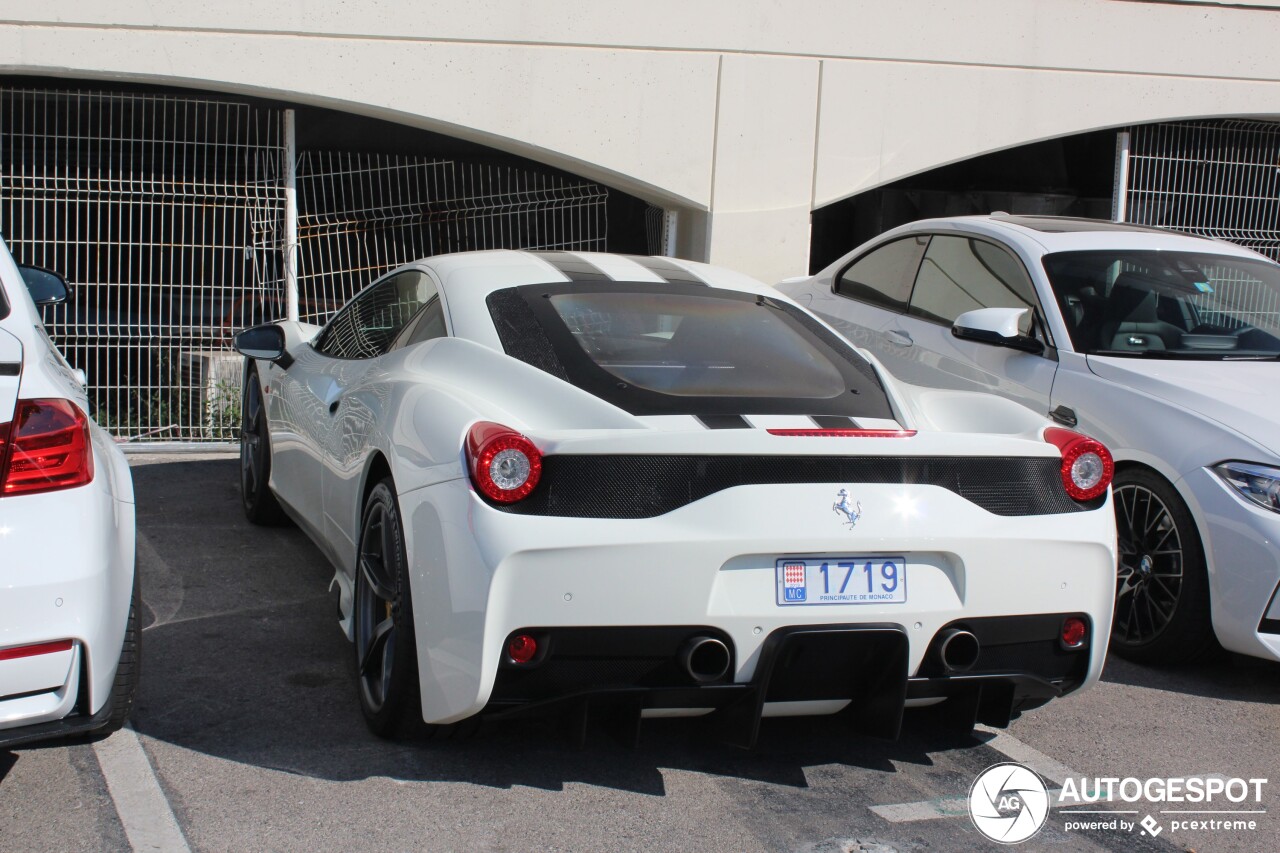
(1258, 483)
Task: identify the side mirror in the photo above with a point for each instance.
(46, 287)
(996, 326)
(265, 342)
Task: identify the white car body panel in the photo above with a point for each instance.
(478, 573)
(66, 556)
(1177, 417)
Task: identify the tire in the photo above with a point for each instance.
(128, 669)
(260, 505)
(1162, 586)
(385, 646)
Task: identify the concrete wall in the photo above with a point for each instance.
(746, 114)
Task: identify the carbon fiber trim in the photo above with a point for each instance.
(521, 333)
(649, 486)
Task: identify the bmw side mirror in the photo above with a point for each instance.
(996, 326)
(45, 286)
(265, 342)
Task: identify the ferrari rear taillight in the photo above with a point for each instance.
(1087, 466)
(45, 448)
(505, 466)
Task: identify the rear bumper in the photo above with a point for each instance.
(61, 712)
(479, 575)
(66, 573)
(856, 670)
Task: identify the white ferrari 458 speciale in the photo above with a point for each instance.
(579, 483)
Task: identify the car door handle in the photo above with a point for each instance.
(899, 337)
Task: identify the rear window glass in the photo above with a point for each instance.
(4, 304)
(665, 349)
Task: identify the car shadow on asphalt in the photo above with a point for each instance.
(1226, 676)
(243, 661)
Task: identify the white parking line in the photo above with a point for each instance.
(144, 812)
(1050, 769)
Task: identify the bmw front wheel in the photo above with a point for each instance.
(1162, 588)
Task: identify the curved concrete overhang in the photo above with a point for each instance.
(753, 111)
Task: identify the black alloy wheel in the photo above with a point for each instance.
(260, 505)
(1162, 590)
(386, 655)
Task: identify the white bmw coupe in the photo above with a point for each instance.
(69, 624)
(586, 482)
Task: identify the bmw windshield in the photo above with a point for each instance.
(1178, 305)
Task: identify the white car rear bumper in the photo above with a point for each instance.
(481, 574)
(66, 574)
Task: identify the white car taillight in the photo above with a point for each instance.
(505, 466)
(45, 448)
(1087, 466)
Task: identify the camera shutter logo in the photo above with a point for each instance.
(1008, 803)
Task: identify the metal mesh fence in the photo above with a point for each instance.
(1218, 179)
(360, 215)
(166, 213)
(163, 213)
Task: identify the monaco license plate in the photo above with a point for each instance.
(841, 580)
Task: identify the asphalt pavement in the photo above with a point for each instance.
(249, 737)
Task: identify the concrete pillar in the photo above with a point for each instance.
(762, 177)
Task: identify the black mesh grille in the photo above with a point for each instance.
(647, 486)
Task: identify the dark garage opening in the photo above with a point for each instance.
(1070, 176)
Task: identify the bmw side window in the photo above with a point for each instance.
(960, 274)
(367, 327)
(884, 275)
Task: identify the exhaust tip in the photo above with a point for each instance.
(705, 659)
(958, 650)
